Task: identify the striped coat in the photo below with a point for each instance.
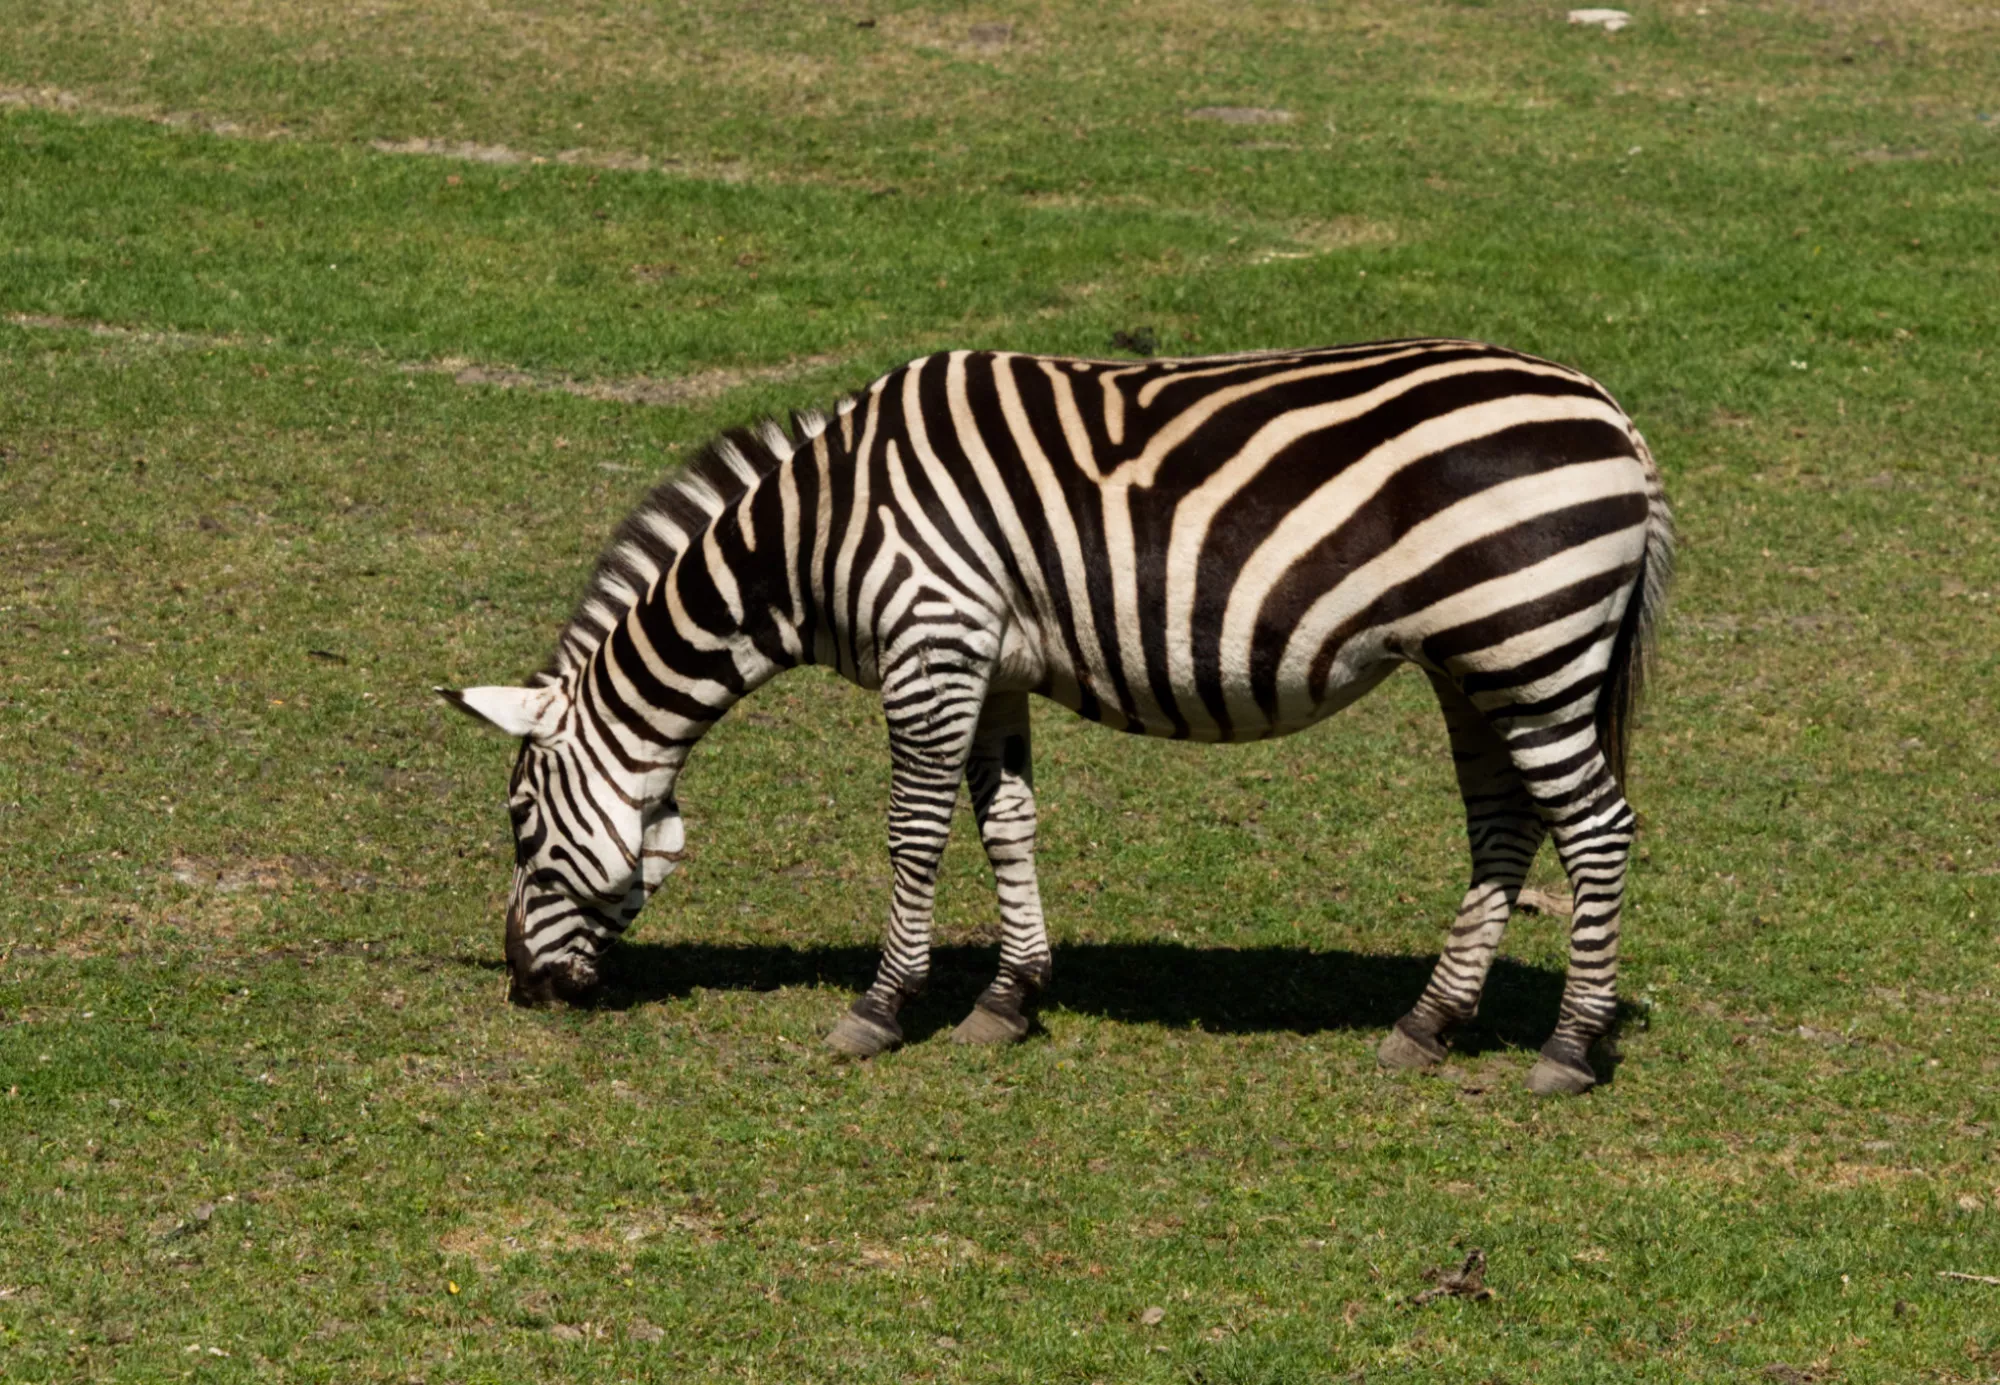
(1216, 549)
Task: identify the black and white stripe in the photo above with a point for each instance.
(1218, 549)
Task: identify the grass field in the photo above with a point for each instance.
(333, 342)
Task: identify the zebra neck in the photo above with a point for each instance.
(717, 625)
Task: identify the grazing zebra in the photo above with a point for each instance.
(1216, 549)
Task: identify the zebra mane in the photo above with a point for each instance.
(673, 514)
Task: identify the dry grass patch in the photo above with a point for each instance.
(982, 40)
(922, 1256)
(659, 390)
(1333, 234)
(225, 877)
(65, 102)
(215, 926)
(694, 388)
(1947, 16)
(620, 161)
(1072, 201)
(135, 336)
(541, 1228)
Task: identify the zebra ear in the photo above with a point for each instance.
(517, 711)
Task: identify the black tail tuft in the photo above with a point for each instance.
(1631, 650)
(1618, 699)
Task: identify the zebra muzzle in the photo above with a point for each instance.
(570, 979)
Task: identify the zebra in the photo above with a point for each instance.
(1220, 548)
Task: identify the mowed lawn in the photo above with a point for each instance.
(333, 342)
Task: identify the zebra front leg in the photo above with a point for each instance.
(1000, 773)
(1593, 828)
(1504, 831)
(932, 705)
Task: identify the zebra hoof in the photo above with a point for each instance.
(1550, 1078)
(863, 1038)
(984, 1026)
(1402, 1051)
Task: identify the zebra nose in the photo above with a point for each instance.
(530, 992)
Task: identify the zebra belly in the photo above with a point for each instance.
(1024, 668)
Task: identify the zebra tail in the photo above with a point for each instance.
(1632, 649)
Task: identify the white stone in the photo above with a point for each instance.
(1611, 20)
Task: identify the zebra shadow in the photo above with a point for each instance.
(1223, 990)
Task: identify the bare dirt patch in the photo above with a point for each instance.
(464, 150)
(1242, 115)
(621, 161)
(284, 873)
(990, 37)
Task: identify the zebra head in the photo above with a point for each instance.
(588, 848)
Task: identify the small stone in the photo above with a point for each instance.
(1153, 1317)
(564, 1332)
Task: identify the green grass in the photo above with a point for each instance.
(259, 1089)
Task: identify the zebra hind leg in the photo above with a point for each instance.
(1504, 830)
(1000, 774)
(1564, 768)
(931, 701)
